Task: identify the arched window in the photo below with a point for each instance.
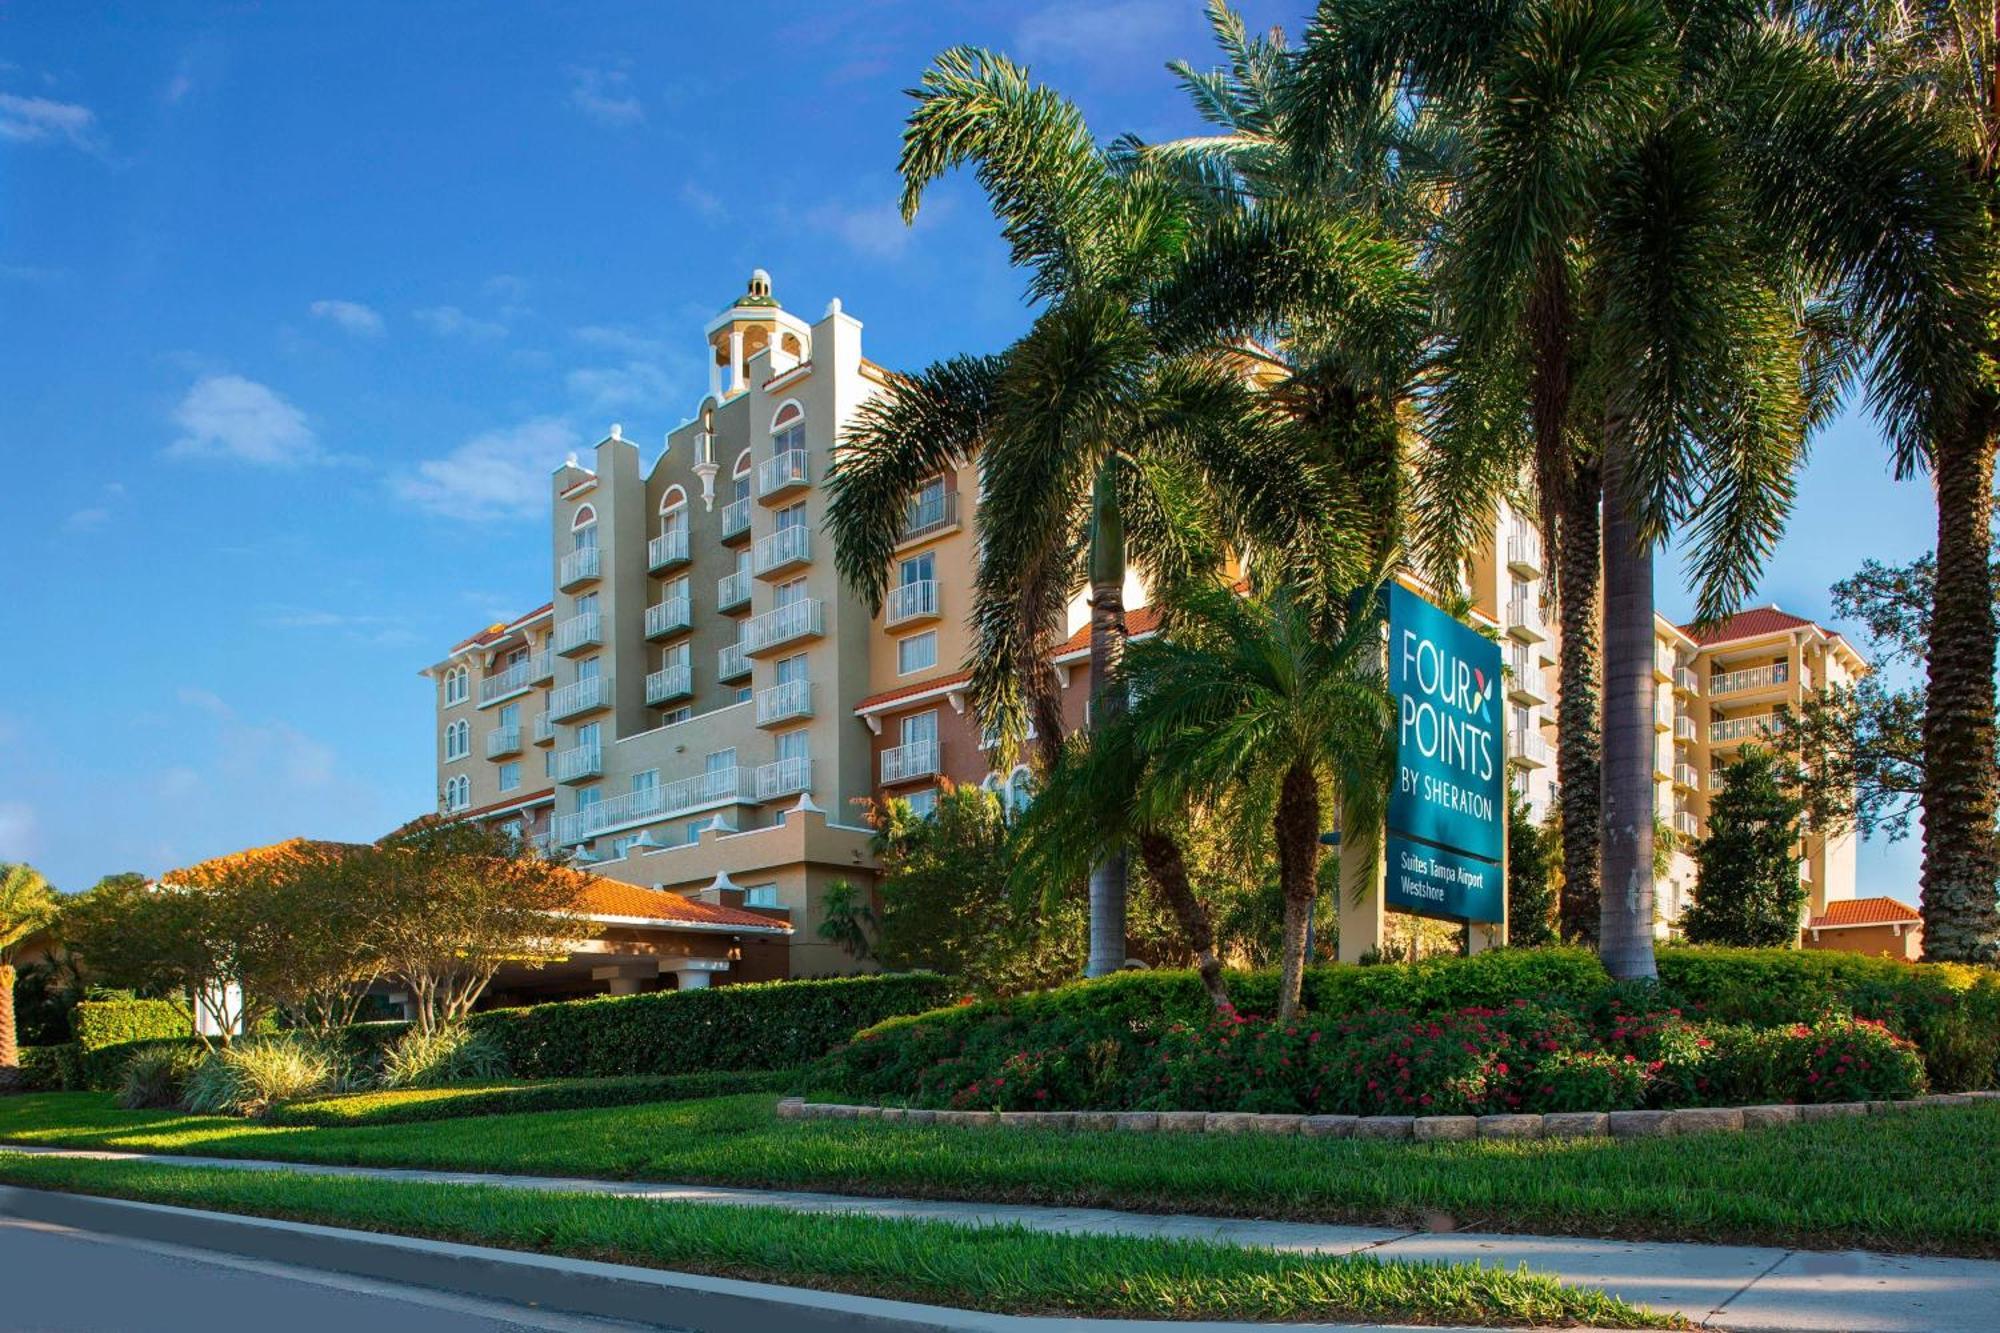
(739, 476)
(673, 511)
(1020, 792)
(457, 685)
(458, 739)
(457, 793)
(583, 529)
(788, 428)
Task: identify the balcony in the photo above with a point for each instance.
(731, 663)
(1686, 681)
(585, 696)
(735, 520)
(1684, 728)
(909, 603)
(732, 591)
(1750, 678)
(667, 550)
(781, 474)
(580, 632)
(668, 684)
(788, 624)
(668, 617)
(577, 568)
(516, 678)
(1524, 554)
(503, 741)
(1664, 664)
(930, 514)
(784, 702)
(1528, 749)
(726, 786)
(906, 763)
(787, 777)
(579, 763)
(1526, 682)
(1742, 728)
(1685, 776)
(545, 729)
(1524, 620)
(782, 551)
(1663, 715)
(1686, 824)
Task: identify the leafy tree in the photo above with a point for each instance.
(27, 904)
(184, 944)
(1531, 886)
(1747, 890)
(455, 900)
(946, 903)
(847, 919)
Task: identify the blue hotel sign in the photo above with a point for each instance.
(1446, 833)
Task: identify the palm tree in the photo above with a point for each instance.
(27, 903)
(1093, 448)
(1250, 698)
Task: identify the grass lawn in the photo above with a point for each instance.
(1911, 1182)
(403, 1105)
(988, 1268)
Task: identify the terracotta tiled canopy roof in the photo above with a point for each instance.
(1746, 625)
(951, 682)
(610, 897)
(1865, 912)
(1138, 623)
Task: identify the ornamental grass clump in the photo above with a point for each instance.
(250, 1077)
(452, 1053)
(158, 1075)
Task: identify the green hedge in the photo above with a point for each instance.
(101, 1023)
(768, 1025)
(56, 1068)
(448, 1103)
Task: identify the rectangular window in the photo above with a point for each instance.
(917, 569)
(916, 653)
(590, 734)
(620, 846)
(673, 715)
(510, 776)
(790, 593)
(792, 745)
(720, 761)
(675, 655)
(923, 803)
(760, 895)
(585, 537)
(587, 797)
(510, 717)
(791, 669)
(695, 826)
(589, 668)
(586, 605)
(646, 781)
(792, 516)
(743, 694)
(920, 728)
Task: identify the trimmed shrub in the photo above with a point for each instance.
(247, 1078)
(450, 1054)
(768, 1025)
(392, 1108)
(157, 1076)
(102, 1023)
(55, 1068)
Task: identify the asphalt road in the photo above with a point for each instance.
(54, 1278)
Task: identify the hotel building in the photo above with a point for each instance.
(703, 707)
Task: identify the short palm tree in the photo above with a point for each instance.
(27, 904)
(1251, 699)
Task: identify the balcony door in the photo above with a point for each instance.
(921, 729)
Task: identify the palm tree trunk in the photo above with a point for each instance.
(1298, 874)
(1626, 933)
(1107, 648)
(10, 1052)
(1961, 871)
(1162, 858)
(1579, 776)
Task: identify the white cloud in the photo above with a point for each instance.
(448, 321)
(875, 230)
(704, 202)
(351, 316)
(633, 384)
(501, 474)
(1115, 33)
(604, 95)
(40, 120)
(179, 783)
(616, 339)
(20, 832)
(89, 519)
(228, 416)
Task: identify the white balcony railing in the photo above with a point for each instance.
(1524, 619)
(928, 513)
(669, 683)
(1686, 680)
(800, 620)
(784, 701)
(580, 697)
(720, 787)
(579, 763)
(782, 472)
(735, 519)
(1740, 728)
(732, 590)
(1528, 749)
(584, 631)
(782, 549)
(1663, 714)
(730, 662)
(1750, 678)
(911, 601)
(514, 679)
(918, 759)
(668, 617)
(503, 741)
(578, 567)
(1665, 663)
(669, 548)
(787, 777)
(1684, 728)
(1684, 776)
(545, 729)
(1686, 824)
(1524, 553)
(1528, 684)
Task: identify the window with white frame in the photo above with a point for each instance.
(510, 776)
(674, 715)
(457, 686)
(673, 511)
(916, 653)
(457, 740)
(739, 477)
(923, 804)
(457, 793)
(788, 429)
(583, 530)
(760, 895)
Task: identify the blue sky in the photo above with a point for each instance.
(297, 311)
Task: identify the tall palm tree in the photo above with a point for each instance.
(27, 903)
(1250, 697)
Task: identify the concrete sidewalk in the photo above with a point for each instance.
(1734, 1287)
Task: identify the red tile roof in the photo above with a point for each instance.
(874, 701)
(611, 897)
(501, 631)
(1140, 621)
(1746, 625)
(1865, 912)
